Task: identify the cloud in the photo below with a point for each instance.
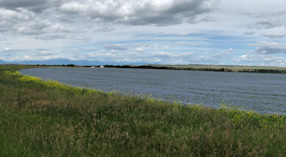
(261, 59)
(215, 57)
(26, 22)
(160, 31)
(269, 48)
(43, 52)
(33, 5)
(50, 37)
(15, 15)
(249, 32)
(270, 20)
(6, 51)
(118, 47)
(163, 57)
(187, 43)
(139, 49)
(37, 6)
(143, 12)
(265, 54)
(276, 34)
(9, 54)
(146, 57)
(41, 27)
(267, 23)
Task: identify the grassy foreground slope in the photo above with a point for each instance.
(44, 118)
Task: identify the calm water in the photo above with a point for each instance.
(264, 93)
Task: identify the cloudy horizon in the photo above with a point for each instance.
(144, 31)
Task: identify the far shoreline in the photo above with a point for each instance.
(190, 67)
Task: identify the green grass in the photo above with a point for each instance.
(45, 118)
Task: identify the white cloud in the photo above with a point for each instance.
(23, 21)
(43, 52)
(19, 15)
(261, 59)
(162, 53)
(161, 31)
(269, 47)
(187, 43)
(6, 49)
(222, 57)
(143, 12)
(139, 49)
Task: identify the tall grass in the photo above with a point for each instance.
(45, 118)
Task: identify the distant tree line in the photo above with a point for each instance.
(178, 68)
(198, 69)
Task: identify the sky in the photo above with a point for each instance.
(244, 32)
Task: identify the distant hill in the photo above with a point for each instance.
(75, 62)
(58, 62)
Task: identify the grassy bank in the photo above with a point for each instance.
(45, 118)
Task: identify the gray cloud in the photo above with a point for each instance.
(267, 23)
(33, 5)
(142, 12)
(43, 17)
(12, 20)
(249, 32)
(273, 35)
(37, 6)
(21, 3)
(63, 26)
(269, 47)
(26, 22)
(19, 15)
(50, 37)
(269, 20)
(115, 47)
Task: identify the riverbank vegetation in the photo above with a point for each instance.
(45, 118)
(217, 68)
(192, 67)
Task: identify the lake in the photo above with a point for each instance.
(263, 93)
